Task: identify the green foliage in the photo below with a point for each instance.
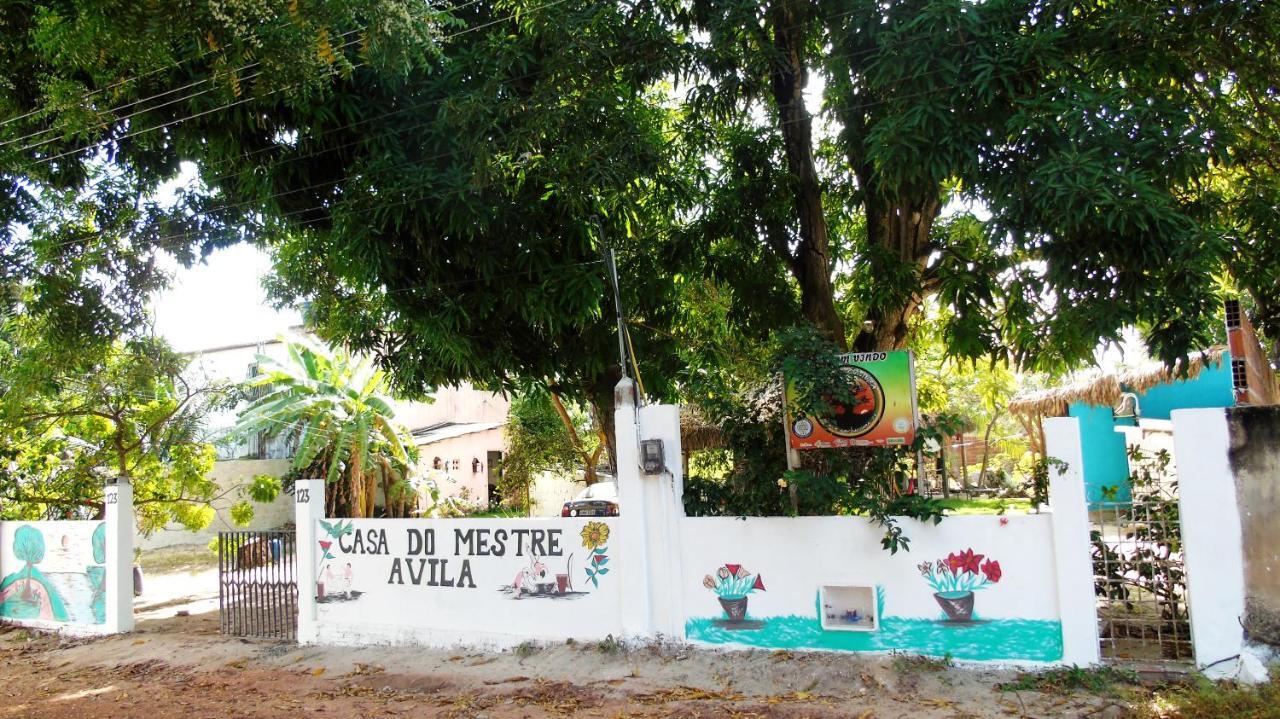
(242, 513)
(1038, 479)
(859, 481)
(537, 441)
(985, 505)
(1095, 680)
(1200, 698)
(337, 410)
(126, 412)
(263, 488)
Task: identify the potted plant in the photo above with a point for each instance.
(732, 583)
(956, 578)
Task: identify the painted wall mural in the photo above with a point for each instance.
(731, 584)
(462, 575)
(53, 571)
(594, 538)
(1016, 619)
(956, 578)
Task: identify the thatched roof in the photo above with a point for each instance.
(1105, 388)
(697, 433)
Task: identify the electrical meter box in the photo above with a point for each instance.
(652, 460)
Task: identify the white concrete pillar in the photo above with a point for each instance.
(1077, 605)
(663, 507)
(118, 499)
(308, 502)
(1212, 538)
(632, 535)
(650, 511)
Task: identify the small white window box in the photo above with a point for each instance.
(848, 608)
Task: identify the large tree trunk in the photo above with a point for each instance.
(810, 262)
(900, 235)
(600, 399)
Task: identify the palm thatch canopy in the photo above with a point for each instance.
(697, 433)
(1105, 388)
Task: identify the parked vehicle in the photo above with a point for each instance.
(598, 500)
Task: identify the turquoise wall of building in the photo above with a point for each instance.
(1102, 450)
(1105, 463)
(1210, 388)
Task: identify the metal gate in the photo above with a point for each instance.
(1138, 572)
(258, 584)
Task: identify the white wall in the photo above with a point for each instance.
(550, 491)
(66, 578)
(383, 601)
(795, 555)
(657, 560)
(1016, 618)
(73, 577)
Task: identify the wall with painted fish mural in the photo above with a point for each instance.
(478, 581)
(981, 588)
(53, 573)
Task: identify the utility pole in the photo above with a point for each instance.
(617, 298)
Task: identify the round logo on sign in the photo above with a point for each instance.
(860, 417)
(802, 428)
(901, 425)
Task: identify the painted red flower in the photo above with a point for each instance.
(325, 545)
(759, 583)
(598, 558)
(965, 561)
(733, 569)
(991, 568)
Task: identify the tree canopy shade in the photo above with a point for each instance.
(1081, 127)
(129, 414)
(443, 208)
(437, 185)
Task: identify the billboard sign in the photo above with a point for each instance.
(884, 414)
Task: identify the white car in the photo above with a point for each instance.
(597, 500)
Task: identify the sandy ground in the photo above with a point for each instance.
(179, 666)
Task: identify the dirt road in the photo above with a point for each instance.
(179, 667)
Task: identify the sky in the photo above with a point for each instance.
(220, 302)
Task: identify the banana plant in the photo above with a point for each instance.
(336, 411)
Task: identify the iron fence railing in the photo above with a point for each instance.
(1139, 575)
(258, 584)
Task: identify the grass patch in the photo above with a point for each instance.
(918, 663)
(985, 505)
(1103, 681)
(496, 514)
(1203, 699)
(176, 560)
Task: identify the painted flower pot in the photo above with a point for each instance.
(957, 605)
(736, 609)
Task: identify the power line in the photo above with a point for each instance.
(133, 133)
(174, 65)
(328, 207)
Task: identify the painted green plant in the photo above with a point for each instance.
(334, 531)
(595, 535)
(733, 581)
